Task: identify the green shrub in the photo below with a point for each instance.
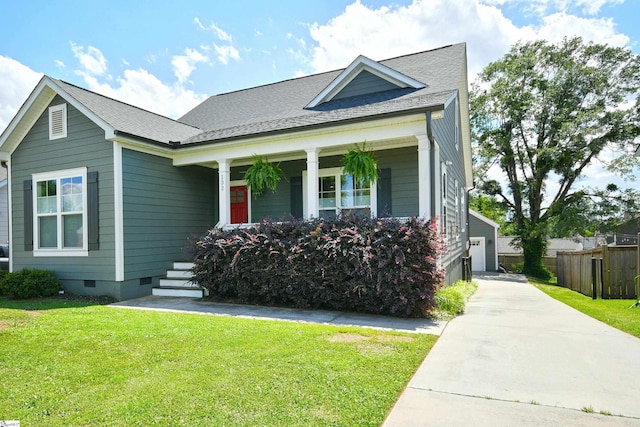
(30, 283)
(352, 263)
(3, 274)
(451, 300)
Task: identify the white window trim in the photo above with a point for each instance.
(458, 214)
(239, 183)
(457, 125)
(60, 252)
(55, 109)
(444, 195)
(373, 207)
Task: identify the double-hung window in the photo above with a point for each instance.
(339, 194)
(60, 214)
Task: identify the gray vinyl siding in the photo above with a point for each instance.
(84, 146)
(403, 163)
(444, 134)
(363, 84)
(480, 228)
(163, 206)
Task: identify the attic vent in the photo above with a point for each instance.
(58, 121)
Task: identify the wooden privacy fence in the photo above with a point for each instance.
(607, 270)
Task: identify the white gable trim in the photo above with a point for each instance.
(32, 109)
(351, 72)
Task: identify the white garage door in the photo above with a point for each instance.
(478, 254)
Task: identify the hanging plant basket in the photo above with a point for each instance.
(360, 163)
(262, 175)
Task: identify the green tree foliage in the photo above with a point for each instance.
(494, 209)
(543, 114)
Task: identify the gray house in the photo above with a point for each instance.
(106, 194)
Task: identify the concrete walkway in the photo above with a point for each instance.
(189, 305)
(520, 358)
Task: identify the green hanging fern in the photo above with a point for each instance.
(262, 175)
(360, 163)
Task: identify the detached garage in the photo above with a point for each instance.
(483, 242)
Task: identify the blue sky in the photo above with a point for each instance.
(167, 56)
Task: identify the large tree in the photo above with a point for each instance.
(541, 116)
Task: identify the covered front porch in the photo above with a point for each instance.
(313, 184)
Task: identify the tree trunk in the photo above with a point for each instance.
(534, 248)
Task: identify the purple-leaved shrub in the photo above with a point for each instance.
(380, 266)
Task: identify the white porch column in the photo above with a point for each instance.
(312, 182)
(224, 195)
(424, 177)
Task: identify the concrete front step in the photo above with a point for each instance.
(179, 274)
(183, 265)
(177, 283)
(178, 292)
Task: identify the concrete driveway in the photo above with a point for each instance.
(520, 358)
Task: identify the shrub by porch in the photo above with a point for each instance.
(353, 263)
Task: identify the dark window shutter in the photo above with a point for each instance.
(28, 215)
(296, 196)
(384, 193)
(92, 211)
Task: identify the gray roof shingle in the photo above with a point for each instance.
(280, 106)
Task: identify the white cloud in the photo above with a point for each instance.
(144, 90)
(92, 60)
(16, 83)
(59, 63)
(139, 87)
(558, 25)
(225, 53)
(219, 32)
(426, 24)
(183, 65)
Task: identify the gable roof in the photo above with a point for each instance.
(431, 79)
(130, 120)
(360, 65)
(484, 219)
(113, 116)
(283, 106)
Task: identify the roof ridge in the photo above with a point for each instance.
(421, 52)
(330, 71)
(123, 103)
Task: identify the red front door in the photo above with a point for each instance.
(239, 205)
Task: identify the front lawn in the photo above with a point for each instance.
(72, 363)
(614, 312)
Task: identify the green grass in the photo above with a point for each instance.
(451, 300)
(72, 363)
(614, 312)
